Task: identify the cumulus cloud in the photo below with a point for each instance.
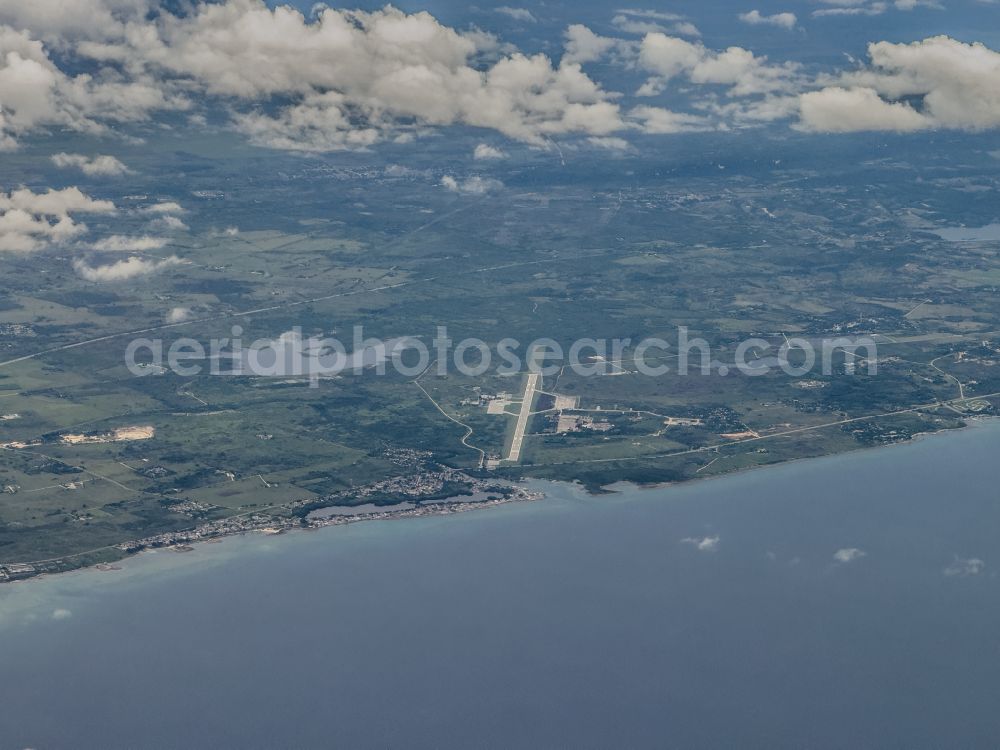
(633, 21)
(61, 614)
(168, 224)
(35, 93)
(30, 221)
(348, 80)
(964, 567)
(163, 207)
(610, 143)
(94, 166)
(657, 15)
(356, 77)
(659, 121)
(871, 7)
(934, 83)
(474, 185)
(781, 20)
(121, 270)
(849, 554)
(319, 122)
(739, 69)
(874, 9)
(518, 14)
(57, 21)
(839, 110)
(53, 202)
(165, 218)
(583, 45)
(702, 544)
(485, 152)
(178, 315)
(118, 243)
(753, 89)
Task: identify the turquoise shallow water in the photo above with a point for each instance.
(850, 601)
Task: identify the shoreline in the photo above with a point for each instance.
(445, 507)
(277, 527)
(972, 423)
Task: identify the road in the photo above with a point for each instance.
(530, 386)
(468, 430)
(948, 375)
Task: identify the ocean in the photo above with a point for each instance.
(849, 601)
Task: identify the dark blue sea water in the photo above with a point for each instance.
(846, 602)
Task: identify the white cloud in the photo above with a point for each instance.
(702, 544)
(849, 554)
(179, 315)
(518, 14)
(129, 268)
(484, 152)
(583, 45)
(165, 220)
(686, 28)
(30, 221)
(355, 77)
(634, 21)
(628, 25)
(36, 94)
(743, 72)
(61, 614)
(955, 85)
(934, 83)
(659, 121)
(121, 244)
(168, 224)
(57, 21)
(54, 202)
(656, 15)
(163, 207)
(875, 9)
(474, 185)
(669, 56)
(611, 143)
(781, 20)
(95, 166)
(319, 122)
(768, 108)
(839, 110)
(343, 79)
(964, 567)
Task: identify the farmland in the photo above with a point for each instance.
(326, 243)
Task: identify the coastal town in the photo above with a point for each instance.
(439, 492)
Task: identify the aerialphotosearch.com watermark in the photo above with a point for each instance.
(291, 355)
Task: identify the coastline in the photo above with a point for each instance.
(189, 541)
(971, 423)
(272, 525)
(739, 577)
